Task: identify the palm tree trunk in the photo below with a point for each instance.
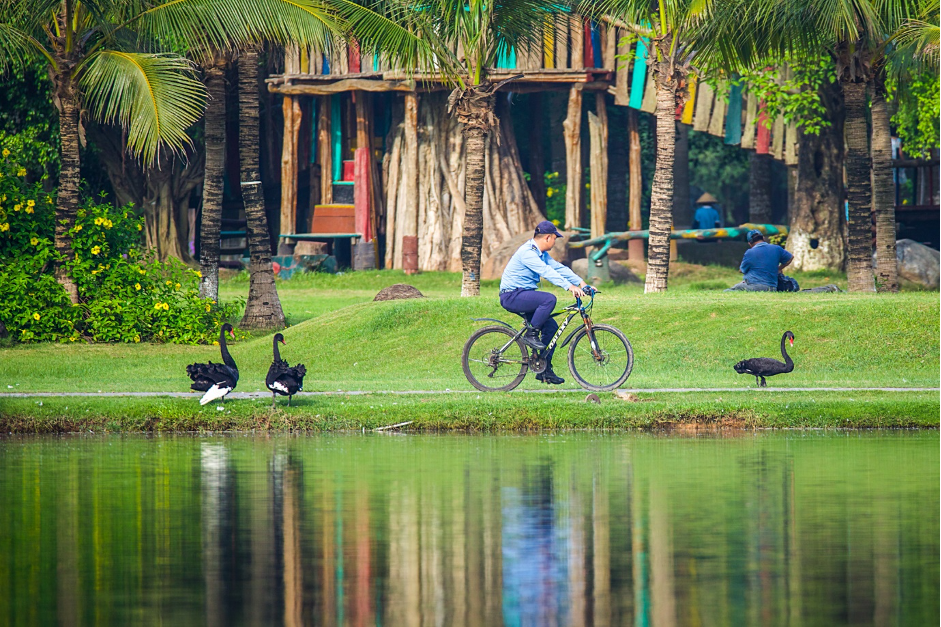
(474, 108)
(67, 198)
(211, 223)
(883, 192)
(759, 189)
(473, 216)
(859, 190)
(661, 196)
(263, 308)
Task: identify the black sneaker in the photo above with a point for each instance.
(531, 339)
(550, 377)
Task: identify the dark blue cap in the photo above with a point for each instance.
(545, 227)
(753, 234)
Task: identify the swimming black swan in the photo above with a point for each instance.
(761, 367)
(282, 379)
(216, 380)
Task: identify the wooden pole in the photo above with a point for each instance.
(634, 251)
(407, 212)
(598, 135)
(324, 147)
(572, 130)
(291, 109)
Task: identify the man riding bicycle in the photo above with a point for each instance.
(519, 295)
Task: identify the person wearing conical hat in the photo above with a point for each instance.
(706, 216)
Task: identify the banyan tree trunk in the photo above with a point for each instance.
(816, 236)
(759, 188)
(859, 190)
(883, 189)
(211, 224)
(661, 197)
(444, 153)
(263, 308)
(67, 198)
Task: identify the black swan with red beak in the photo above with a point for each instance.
(761, 367)
(282, 379)
(216, 380)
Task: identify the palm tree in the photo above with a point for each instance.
(263, 308)
(154, 96)
(210, 223)
(464, 39)
(671, 40)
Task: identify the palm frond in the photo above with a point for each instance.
(17, 47)
(920, 38)
(155, 97)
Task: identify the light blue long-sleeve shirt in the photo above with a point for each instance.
(528, 264)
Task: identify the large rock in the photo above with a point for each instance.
(619, 273)
(398, 291)
(918, 263)
(493, 267)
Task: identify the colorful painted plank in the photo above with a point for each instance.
(361, 219)
(687, 116)
(790, 144)
(336, 131)
(751, 114)
(717, 120)
(622, 87)
(777, 138)
(763, 139)
(704, 98)
(640, 74)
(733, 117)
(548, 43)
(649, 104)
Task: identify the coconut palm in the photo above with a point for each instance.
(671, 39)
(465, 38)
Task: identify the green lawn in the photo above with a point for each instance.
(687, 337)
(518, 411)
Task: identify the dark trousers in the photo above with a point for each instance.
(535, 307)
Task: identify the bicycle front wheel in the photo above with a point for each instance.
(605, 366)
(493, 361)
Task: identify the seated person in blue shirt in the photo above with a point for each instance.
(761, 265)
(706, 216)
(518, 294)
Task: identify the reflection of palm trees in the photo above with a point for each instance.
(293, 572)
(214, 481)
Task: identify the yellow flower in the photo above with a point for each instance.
(549, 192)
(48, 200)
(78, 227)
(29, 209)
(98, 221)
(21, 172)
(95, 250)
(166, 307)
(137, 286)
(5, 226)
(169, 282)
(137, 338)
(198, 273)
(142, 271)
(215, 343)
(138, 227)
(30, 203)
(17, 207)
(6, 153)
(158, 306)
(208, 308)
(108, 223)
(34, 240)
(177, 286)
(35, 316)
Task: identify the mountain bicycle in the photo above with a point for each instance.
(600, 356)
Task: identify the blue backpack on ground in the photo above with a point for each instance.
(787, 284)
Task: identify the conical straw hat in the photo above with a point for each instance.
(707, 197)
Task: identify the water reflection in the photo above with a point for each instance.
(556, 530)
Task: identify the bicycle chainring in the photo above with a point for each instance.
(537, 363)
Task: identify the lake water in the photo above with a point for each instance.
(794, 528)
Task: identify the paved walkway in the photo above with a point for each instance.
(250, 395)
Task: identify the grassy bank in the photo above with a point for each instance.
(472, 412)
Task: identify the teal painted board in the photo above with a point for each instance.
(733, 117)
(507, 59)
(640, 74)
(336, 132)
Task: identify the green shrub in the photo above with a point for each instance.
(125, 295)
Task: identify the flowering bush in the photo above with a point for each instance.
(125, 295)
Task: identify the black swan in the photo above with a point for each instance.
(282, 379)
(216, 380)
(761, 367)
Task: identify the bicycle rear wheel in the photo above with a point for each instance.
(488, 366)
(606, 368)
